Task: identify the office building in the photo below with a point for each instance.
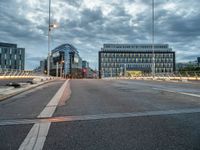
(88, 72)
(85, 68)
(116, 59)
(42, 66)
(65, 61)
(85, 64)
(11, 57)
(41, 69)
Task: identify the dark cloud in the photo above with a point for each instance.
(75, 3)
(89, 24)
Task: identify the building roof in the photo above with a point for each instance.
(135, 47)
(65, 47)
(8, 45)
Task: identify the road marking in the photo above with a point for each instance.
(43, 121)
(66, 95)
(189, 94)
(37, 135)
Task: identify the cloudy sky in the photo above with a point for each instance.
(87, 24)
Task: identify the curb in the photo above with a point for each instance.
(17, 93)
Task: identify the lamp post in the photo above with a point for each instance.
(50, 27)
(49, 30)
(121, 71)
(61, 68)
(153, 53)
(124, 70)
(56, 69)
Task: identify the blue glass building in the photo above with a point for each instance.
(65, 59)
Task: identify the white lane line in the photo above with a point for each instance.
(189, 94)
(97, 117)
(37, 135)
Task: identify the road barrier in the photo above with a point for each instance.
(12, 73)
(20, 74)
(178, 76)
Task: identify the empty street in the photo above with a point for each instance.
(103, 114)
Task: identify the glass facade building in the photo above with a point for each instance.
(115, 59)
(11, 57)
(66, 58)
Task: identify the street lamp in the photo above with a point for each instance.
(56, 69)
(49, 30)
(50, 27)
(53, 26)
(125, 70)
(153, 53)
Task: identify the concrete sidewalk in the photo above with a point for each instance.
(7, 91)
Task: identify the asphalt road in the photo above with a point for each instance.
(26, 105)
(106, 115)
